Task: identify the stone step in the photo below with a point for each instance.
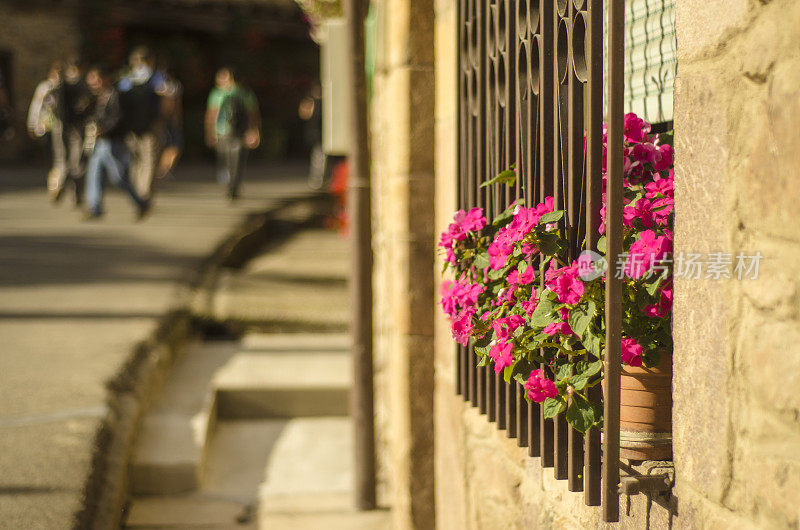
(190, 511)
(311, 457)
(296, 342)
(309, 480)
(172, 442)
(276, 300)
(300, 257)
(280, 384)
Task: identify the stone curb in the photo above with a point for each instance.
(105, 490)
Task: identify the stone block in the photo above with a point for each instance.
(410, 119)
(768, 154)
(446, 75)
(693, 18)
(409, 40)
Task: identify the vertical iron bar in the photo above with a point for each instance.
(611, 391)
(575, 157)
(547, 136)
(522, 416)
(361, 279)
(559, 125)
(594, 190)
(480, 140)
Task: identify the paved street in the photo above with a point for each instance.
(75, 297)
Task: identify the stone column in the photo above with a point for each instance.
(403, 155)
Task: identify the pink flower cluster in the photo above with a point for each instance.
(646, 251)
(565, 282)
(463, 223)
(539, 387)
(631, 352)
(524, 220)
(459, 301)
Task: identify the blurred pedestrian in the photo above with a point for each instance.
(75, 106)
(171, 94)
(44, 117)
(141, 106)
(310, 111)
(109, 157)
(232, 127)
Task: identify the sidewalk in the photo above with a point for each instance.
(75, 298)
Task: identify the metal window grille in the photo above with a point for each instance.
(531, 81)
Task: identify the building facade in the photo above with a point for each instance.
(735, 106)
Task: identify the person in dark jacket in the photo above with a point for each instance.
(106, 139)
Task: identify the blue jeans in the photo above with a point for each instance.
(110, 159)
(231, 158)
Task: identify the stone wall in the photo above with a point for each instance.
(35, 37)
(737, 359)
(737, 354)
(403, 187)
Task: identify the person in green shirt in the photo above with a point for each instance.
(232, 127)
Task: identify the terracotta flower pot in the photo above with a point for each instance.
(646, 411)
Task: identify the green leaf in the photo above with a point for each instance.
(549, 244)
(543, 314)
(601, 244)
(584, 372)
(563, 371)
(482, 350)
(553, 406)
(485, 360)
(579, 319)
(551, 217)
(508, 177)
(593, 342)
(506, 215)
(582, 414)
(519, 368)
(481, 260)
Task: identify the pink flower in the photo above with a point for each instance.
(565, 282)
(504, 327)
(499, 250)
(664, 305)
(636, 129)
(662, 209)
(665, 158)
(515, 278)
(470, 221)
(539, 387)
(545, 207)
(448, 301)
(647, 251)
(641, 210)
(631, 352)
(462, 326)
(530, 306)
(661, 186)
(501, 354)
(562, 327)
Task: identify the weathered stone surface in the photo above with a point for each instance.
(409, 27)
(403, 160)
(693, 18)
(769, 147)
